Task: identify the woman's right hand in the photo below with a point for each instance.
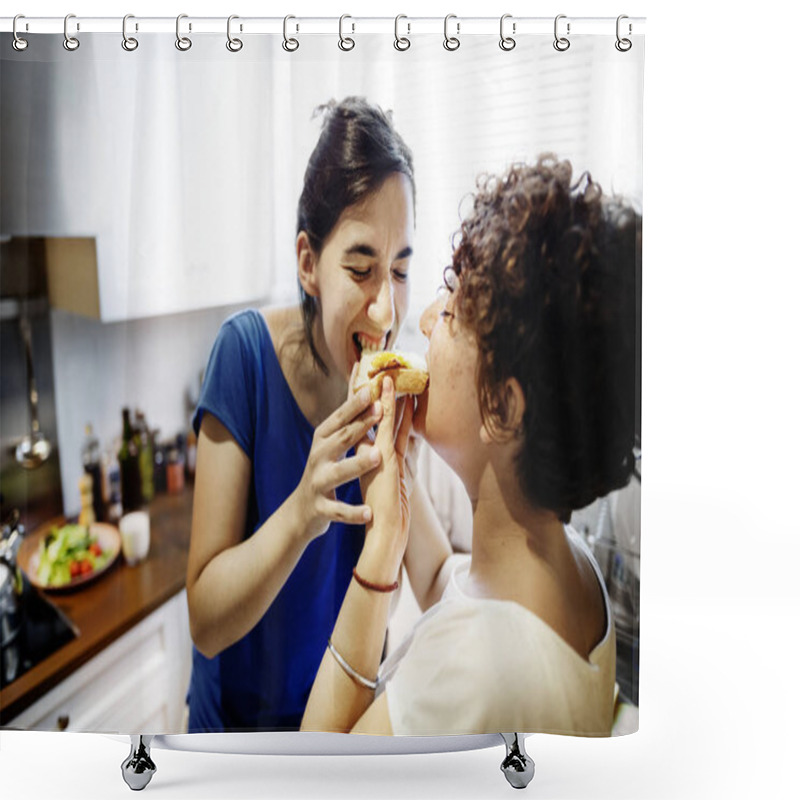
(328, 465)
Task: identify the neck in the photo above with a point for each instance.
(513, 543)
(317, 394)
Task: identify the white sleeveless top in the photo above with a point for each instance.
(474, 665)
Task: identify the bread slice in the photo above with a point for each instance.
(408, 371)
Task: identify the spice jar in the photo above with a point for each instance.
(175, 471)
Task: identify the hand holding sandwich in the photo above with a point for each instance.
(386, 490)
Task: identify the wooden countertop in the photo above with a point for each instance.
(105, 609)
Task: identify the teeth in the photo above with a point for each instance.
(368, 345)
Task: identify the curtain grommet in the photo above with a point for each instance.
(401, 43)
(289, 44)
(561, 43)
(507, 43)
(183, 43)
(18, 43)
(451, 43)
(233, 44)
(71, 43)
(128, 42)
(345, 42)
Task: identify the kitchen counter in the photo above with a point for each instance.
(104, 610)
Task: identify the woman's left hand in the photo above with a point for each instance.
(386, 489)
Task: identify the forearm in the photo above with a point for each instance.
(337, 702)
(428, 551)
(236, 587)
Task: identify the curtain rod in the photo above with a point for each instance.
(406, 25)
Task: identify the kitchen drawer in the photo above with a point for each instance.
(139, 678)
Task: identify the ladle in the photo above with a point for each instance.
(34, 449)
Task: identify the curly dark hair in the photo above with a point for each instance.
(549, 282)
(358, 148)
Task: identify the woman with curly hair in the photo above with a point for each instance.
(533, 361)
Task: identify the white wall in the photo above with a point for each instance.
(153, 364)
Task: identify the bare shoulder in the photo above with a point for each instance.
(282, 323)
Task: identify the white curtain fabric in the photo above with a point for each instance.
(187, 166)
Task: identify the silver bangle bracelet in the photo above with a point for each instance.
(356, 676)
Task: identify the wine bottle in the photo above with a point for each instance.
(130, 475)
(90, 456)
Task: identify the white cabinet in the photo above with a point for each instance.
(136, 685)
(155, 169)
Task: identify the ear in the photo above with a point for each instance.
(307, 265)
(505, 424)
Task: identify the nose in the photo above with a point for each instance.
(428, 318)
(381, 309)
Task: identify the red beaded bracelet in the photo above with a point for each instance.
(376, 587)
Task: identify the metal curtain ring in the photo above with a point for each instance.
(290, 45)
(623, 45)
(18, 43)
(183, 43)
(451, 42)
(401, 42)
(561, 43)
(345, 42)
(70, 42)
(234, 45)
(128, 42)
(507, 42)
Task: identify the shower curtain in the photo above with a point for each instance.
(150, 178)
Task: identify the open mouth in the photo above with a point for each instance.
(369, 344)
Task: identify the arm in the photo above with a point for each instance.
(231, 580)
(337, 702)
(427, 558)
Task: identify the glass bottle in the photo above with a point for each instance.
(130, 475)
(145, 443)
(92, 465)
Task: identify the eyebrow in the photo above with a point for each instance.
(369, 252)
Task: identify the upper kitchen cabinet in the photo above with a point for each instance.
(176, 221)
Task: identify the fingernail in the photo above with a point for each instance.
(363, 394)
(375, 455)
(377, 407)
(367, 514)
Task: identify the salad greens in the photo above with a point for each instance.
(67, 553)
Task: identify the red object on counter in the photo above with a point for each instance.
(175, 473)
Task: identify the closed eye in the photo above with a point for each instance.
(359, 274)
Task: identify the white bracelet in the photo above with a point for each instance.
(356, 676)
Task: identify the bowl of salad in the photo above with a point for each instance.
(59, 557)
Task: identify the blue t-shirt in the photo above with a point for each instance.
(262, 682)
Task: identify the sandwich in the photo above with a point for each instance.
(407, 370)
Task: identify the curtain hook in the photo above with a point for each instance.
(183, 43)
(561, 43)
(290, 45)
(18, 43)
(234, 45)
(70, 42)
(451, 42)
(128, 42)
(401, 42)
(507, 42)
(345, 43)
(623, 45)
